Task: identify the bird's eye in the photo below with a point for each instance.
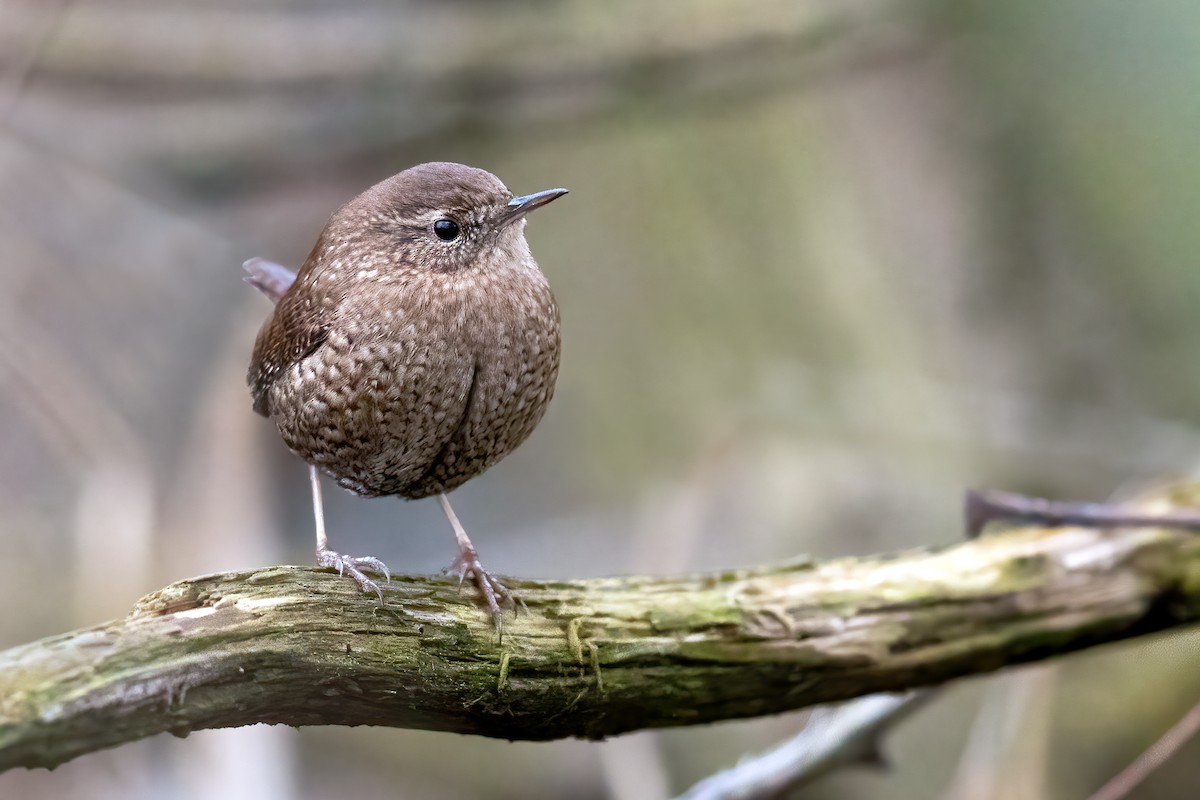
(446, 229)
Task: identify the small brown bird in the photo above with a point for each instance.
(417, 346)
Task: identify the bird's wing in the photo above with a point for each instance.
(297, 327)
(268, 277)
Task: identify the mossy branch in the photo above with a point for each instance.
(590, 658)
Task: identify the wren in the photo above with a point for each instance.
(416, 347)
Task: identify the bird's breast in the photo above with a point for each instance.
(425, 389)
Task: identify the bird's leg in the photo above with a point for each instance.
(467, 561)
(345, 565)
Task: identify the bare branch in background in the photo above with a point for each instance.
(378, 80)
(833, 738)
(985, 506)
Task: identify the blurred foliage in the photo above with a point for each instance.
(822, 267)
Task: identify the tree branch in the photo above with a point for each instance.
(832, 738)
(591, 658)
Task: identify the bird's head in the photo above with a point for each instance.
(437, 217)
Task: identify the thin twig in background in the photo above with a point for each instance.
(833, 738)
(984, 506)
(1153, 758)
(50, 23)
(669, 527)
(1013, 717)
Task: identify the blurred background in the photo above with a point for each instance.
(823, 266)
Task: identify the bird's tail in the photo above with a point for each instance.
(268, 277)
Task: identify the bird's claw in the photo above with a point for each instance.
(494, 593)
(354, 566)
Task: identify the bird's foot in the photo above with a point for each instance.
(354, 566)
(494, 593)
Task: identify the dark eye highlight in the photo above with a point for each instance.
(446, 229)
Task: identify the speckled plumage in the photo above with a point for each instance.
(400, 364)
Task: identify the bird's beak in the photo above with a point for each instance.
(520, 206)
